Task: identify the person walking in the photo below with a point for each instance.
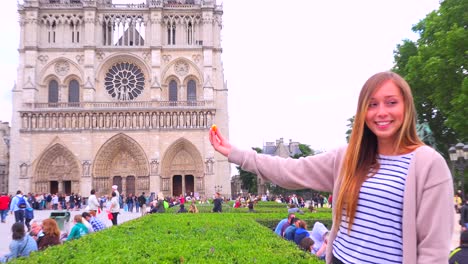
(142, 203)
(114, 208)
(18, 204)
(4, 202)
(93, 203)
(393, 194)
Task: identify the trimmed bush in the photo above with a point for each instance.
(234, 237)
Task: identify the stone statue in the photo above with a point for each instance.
(425, 133)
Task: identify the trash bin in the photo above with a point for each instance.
(60, 217)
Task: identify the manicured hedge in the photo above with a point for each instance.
(229, 237)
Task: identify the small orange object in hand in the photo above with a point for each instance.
(214, 128)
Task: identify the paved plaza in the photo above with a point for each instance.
(5, 228)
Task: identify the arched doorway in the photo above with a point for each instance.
(177, 185)
(189, 184)
(57, 171)
(130, 185)
(122, 162)
(182, 169)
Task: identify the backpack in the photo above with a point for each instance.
(21, 203)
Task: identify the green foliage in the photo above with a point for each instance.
(350, 128)
(249, 179)
(232, 237)
(305, 151)
(435, 66)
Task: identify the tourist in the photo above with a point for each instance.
(385, 175)
(51, 234)
(114, 208)
(79, 229)
(22, 244)
(4, 202)
(18, 205)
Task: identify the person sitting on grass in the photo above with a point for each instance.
(51, 232)
(78, 230)
(301, 231)
(22, 244)
(193, 208)
(182, 209)
(306, 244)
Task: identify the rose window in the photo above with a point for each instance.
(124, 81)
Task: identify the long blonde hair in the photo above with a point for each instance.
(361, 156)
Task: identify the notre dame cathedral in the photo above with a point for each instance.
(120, 94)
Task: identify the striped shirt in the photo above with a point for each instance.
(376, 234)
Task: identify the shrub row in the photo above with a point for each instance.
(229, 237)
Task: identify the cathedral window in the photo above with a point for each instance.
(123, 30)
(124, 81)
(191, 91)
(75, 37)
(53, 91)
(190, 33)
(171, 33)
(73, 91)
(173, 91)
(51, 33)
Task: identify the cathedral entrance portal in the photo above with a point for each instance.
(57, 171)
(182, 170)
(121, 161)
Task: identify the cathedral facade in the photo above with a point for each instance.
(119, 94)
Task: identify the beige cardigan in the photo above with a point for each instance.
(428, 214)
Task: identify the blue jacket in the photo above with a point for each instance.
(300, 234)
(14, 203)
(20, 248)
(279, 226)
(290, 232)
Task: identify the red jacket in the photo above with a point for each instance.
(4, 202)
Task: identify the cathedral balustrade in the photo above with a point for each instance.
(129, 104)
(44, 121)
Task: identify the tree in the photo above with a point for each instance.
(249, 179)
(435, 66)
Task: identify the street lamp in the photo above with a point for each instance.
(459, 157)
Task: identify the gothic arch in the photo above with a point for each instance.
(119, 57)
(120, 155)
(182, 169)
(48, 70)
(57, 163)
(169, 70)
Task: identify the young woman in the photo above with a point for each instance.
(392, 194)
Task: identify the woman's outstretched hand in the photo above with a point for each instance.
(218, 142)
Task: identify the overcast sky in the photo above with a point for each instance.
(294, 68)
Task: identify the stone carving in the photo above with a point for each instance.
(24, 170)
(62, 68)
(166, 58)
(100, 55)
(196, 58)
(209, 165)
(154, 166)
(80, 59)
(86, 168)
(43, 58)
(181, 68)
